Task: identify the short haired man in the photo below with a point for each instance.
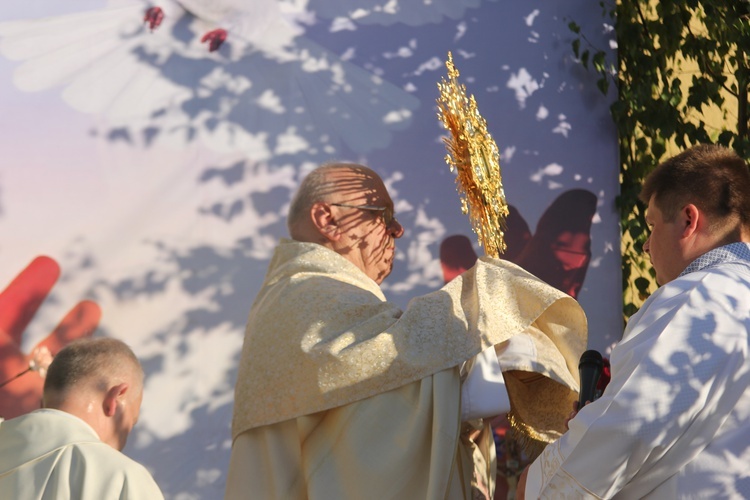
(71, 447)
(674, 421)
(341, 395)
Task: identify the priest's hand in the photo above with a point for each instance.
(573, 414)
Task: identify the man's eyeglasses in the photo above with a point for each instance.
(386, 213)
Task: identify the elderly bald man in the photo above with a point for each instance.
(341, 395)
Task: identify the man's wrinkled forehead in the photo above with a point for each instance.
(359, 185)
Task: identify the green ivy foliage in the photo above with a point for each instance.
(681, 76)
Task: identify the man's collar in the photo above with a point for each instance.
(728, 253)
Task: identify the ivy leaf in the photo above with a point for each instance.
(598, 61)
(629, 309)
(603, 85)
(725, 138)
(658, 148)
(642, 284)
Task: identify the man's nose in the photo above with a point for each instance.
(395, 228)
(647, 245)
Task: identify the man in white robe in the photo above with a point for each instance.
(674, 421)
(70, 449)
(341, 395)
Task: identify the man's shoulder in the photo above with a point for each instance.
(107, 457)
(70, 457)
(724, 290)
(724, 278)
(123, 472)
(727, 281)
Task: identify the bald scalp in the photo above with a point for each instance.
(321, 185)
(90, 364)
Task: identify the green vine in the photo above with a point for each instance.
(681, 76)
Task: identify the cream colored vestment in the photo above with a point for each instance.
(52, 455)
(340, 394)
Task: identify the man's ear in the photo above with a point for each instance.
(692, 219)
(114, 394)
(324, 222)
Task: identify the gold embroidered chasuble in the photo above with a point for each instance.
(321, 335)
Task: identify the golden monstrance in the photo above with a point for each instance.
(473, 155)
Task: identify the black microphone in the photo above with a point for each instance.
(589, 370)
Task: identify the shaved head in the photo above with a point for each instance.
(94, 364)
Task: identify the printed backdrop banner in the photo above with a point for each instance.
(145, 180)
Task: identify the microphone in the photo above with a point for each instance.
(589, 370)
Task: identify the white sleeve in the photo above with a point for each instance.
(671, 390)
(483, 392)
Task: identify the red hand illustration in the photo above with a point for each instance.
(558, 252)
(18, 304)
